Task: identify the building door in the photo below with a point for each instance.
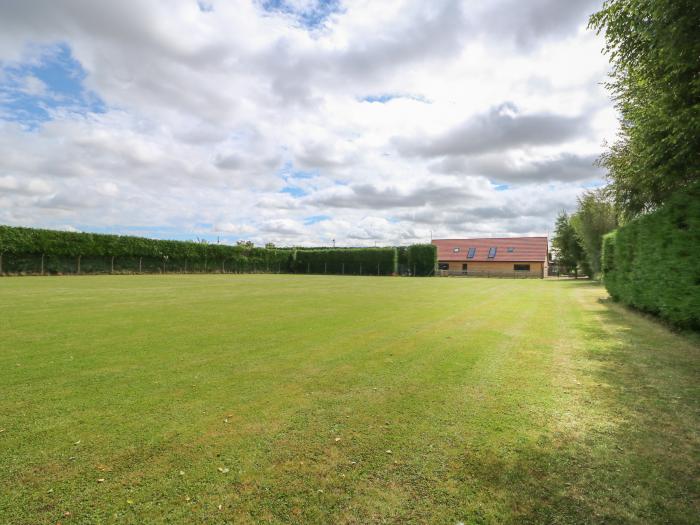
(464, 267)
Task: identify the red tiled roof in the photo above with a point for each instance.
(526, 249)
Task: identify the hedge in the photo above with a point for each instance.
(653, 262)
(32, 250)
(348, 261)
(422, 259)
(59, 251)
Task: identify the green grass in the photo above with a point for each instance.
(500, 401)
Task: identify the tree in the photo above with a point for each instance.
(569, 253)
(654, 49)
(596, 216)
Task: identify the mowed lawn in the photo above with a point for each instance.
(324, 399)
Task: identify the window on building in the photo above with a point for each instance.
(492, 253)
(464, 267)
(444, 266)
(521, 267)
(471, 253)
(456, 250)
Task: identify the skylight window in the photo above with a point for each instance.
(455, 250)
(471, 253)
(511, 249)
(492, 253)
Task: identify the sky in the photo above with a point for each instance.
(300, 122)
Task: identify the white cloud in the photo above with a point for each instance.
(211, 113)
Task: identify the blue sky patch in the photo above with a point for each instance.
(383, 98)
(31, 93)
(313, 219)
(311, 17)
(294, 191)
(501, 187)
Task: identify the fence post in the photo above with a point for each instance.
(205, 263)
(78, 272)
(185, 265)
(343, 268)
(308, 267)
(377, 270)
(111, 267)
(223, 266)
(325, 267)
(360, 268)
(42, 264)
(0, 263)
(140, 264)
(414, 270)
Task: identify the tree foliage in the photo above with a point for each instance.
(595, 216)
(654, 49)
(568, 251)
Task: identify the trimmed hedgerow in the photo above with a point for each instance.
(653, 262)
(24, 248)
(33, 250)
(348, 261)
(422, 259)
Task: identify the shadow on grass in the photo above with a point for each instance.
(627, 448)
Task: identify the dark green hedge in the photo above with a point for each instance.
(653, 262)
(32, 250)
(348, 261)
(422, 259)
(23, 248)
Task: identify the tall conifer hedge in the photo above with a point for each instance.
(422, 259)
(26, 250)
(349, 261)
(653, 262)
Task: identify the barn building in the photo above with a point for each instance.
(493, 257)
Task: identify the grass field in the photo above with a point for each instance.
(313, 399)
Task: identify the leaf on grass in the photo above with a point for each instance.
(223, 470)
(100, 480)
(77, 442)
(221, 507)
(182, 472)
(337, 439)
(130, 501)
(388, 451)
